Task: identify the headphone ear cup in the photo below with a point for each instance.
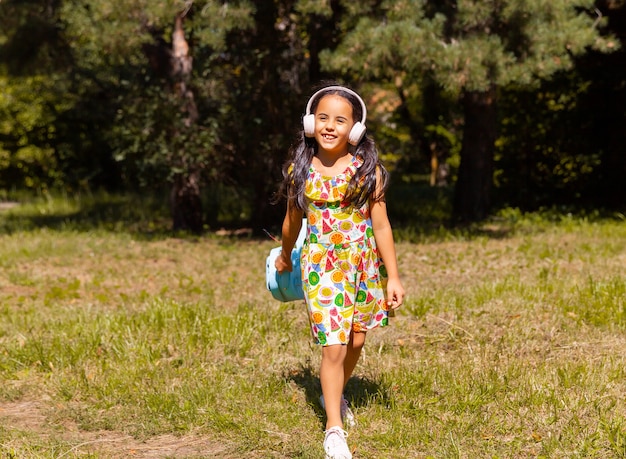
(308, 123)
(356, 133)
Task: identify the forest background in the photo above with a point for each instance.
(475, 105)
(122, 119)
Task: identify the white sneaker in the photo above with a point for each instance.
(335, 444)
(347, 416)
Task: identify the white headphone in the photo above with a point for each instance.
(358, 130)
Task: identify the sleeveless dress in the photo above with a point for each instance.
(343, 276)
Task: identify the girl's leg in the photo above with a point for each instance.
(332, 380)
(355, 346)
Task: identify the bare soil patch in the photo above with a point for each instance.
(30, 416)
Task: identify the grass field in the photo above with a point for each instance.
(119, 341)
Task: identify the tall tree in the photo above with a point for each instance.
(146, 51)
(185, 199)
(471, 48)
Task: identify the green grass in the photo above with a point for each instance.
(114, 344)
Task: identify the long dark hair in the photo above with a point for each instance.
(362, 186)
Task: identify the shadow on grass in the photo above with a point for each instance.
(359, 392)
(418, 213)
(144, 216)
(134, 214)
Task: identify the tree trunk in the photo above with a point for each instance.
(185, 202)
(323, 33)
(472, 196)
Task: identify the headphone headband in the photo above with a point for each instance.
(337, 88)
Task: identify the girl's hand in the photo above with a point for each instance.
(283, 263)
(395, 293)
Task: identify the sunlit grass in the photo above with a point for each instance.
(510, 344)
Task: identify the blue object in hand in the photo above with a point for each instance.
(286, 286)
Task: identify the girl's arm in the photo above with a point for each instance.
(291, 227)
(387, 249)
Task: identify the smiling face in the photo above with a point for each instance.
(333, 122)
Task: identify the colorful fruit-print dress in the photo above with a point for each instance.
(342, 274)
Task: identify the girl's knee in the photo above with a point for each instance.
(335, 353)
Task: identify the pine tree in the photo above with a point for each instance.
(471, 48)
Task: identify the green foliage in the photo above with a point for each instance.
(32, 63)
(25, 127)
(111, 88)
(539, 152)
(151, 127)
(86, 101)
(471, 46)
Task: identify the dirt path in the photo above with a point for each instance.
(29, 416)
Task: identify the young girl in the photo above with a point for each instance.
(334, 177)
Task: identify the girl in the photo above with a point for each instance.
(334, 177)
